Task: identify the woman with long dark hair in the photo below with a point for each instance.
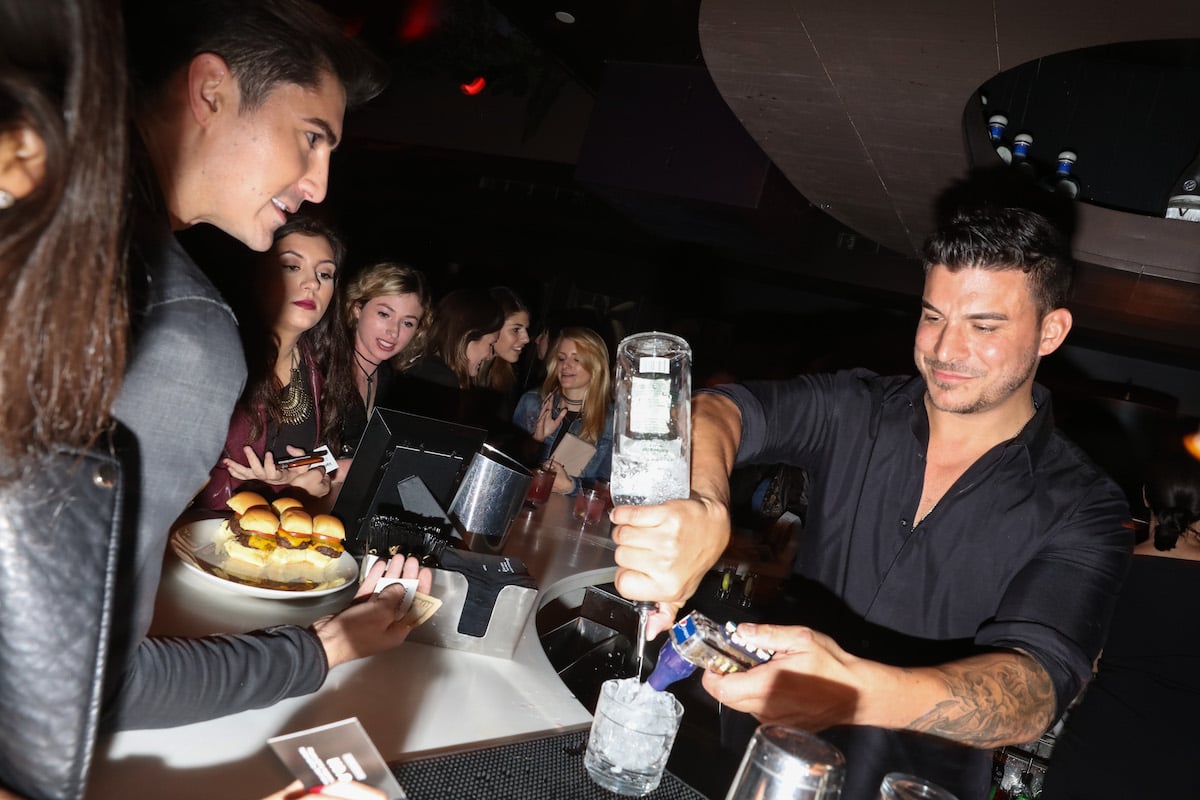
(287, 408)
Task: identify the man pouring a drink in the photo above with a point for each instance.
(960, 559)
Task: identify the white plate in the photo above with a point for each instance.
(195, 544)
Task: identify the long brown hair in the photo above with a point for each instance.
(594, 355)
(462, 316)
(64, 326)
(263, 390)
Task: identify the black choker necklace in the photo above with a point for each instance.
(571, 402)
(370, 376)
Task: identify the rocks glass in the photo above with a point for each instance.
(898, 786)
(632, 732)
(783, 763)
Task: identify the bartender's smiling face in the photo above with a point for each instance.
(981, 337)
(299, 288)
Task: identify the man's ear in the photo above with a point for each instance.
(1055, 327)
(210, 87)
(22, 161)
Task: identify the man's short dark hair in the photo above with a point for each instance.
(995, 238)
(266, 43)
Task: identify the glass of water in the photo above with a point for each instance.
(783, 763)
(632, 732)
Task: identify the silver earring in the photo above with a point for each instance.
(6, 199)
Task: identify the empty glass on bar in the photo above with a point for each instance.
(783, 763)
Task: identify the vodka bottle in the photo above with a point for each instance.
(1064, 181)
(1184, 199)
(697, 641)
(996, 125)
(652, 437)
(1022, 144)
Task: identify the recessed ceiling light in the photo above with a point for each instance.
(565, 17)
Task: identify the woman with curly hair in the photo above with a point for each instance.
(386, 314)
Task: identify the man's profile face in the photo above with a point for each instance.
(260, 165)
(977, 343)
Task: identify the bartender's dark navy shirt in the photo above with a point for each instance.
(1026, 550)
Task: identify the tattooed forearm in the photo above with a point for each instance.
(998, 699)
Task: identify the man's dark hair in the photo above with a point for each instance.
(994, 238)
(266, 43)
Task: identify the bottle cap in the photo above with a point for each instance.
(998, 119)
(1023, 138)
(1067, 155)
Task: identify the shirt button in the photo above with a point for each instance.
(903, 523)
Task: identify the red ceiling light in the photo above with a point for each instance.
(474, 86)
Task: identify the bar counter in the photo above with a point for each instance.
(414, 701)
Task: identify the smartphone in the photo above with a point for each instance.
(300, 461)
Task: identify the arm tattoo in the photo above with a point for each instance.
(994, 700)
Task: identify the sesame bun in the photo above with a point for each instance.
(295, 520)
(260, 520)
(244, 500)
(328, 525)
(281, 504)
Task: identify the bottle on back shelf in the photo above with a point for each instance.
(1064, 181)
(1184, 199)
(1021, 161)
(995, 127)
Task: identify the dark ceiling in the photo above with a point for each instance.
(767, 138)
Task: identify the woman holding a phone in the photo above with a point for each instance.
(287, 409)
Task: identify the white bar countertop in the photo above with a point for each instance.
(415, 700)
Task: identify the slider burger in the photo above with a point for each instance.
(282, 504)
(250, 532)
(328, 540)
(294, 536)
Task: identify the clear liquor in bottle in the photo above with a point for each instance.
(652, 441)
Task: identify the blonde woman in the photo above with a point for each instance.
(386, 313)
(575, 398)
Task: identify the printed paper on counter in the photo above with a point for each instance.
(339, 751)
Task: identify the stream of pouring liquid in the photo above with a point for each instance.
(643, 611)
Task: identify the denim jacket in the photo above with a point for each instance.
(525, 416)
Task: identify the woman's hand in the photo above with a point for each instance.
(563, 482)
(547, 421)
(313, 481)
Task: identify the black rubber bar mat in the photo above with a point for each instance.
(550, 768)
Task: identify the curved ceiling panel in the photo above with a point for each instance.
(860, 103)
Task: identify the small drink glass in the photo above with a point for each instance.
(590, 504)
(783, 763)
(898, 786)
(632, 732)
(540, 486)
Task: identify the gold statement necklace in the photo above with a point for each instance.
(297, 403)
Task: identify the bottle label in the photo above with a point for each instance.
(650, 406)
(654, 364)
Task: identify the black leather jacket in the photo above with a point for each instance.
(60, 525)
